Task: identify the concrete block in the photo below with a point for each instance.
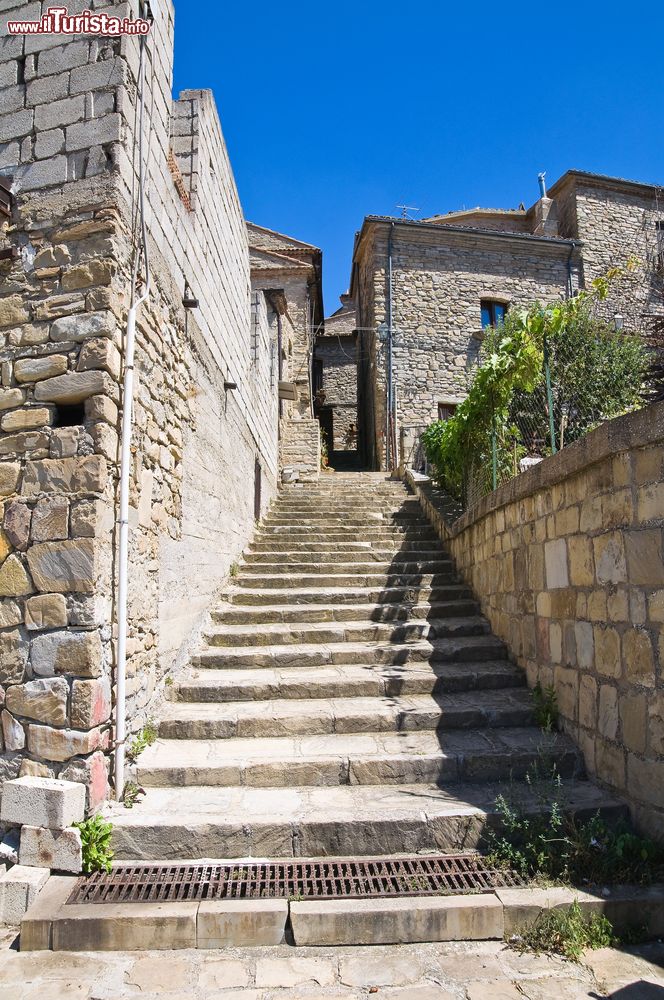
(36, 924)
(18, 888)
(45, 802)
(9, 848)
(240, 923)
(60, 850)
(125, 927)
(396, 921)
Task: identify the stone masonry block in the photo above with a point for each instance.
(9, 476)
(63, 567)
(68, 475)
(26, 419)
(45, 802)
(100, 354)
(57, 849)
(50, 520)
(74, 387)
(77, 653)
(18, 889)
(90, 703)
(555, 559)
(45, 611)
(44, 700)
(78, 328)
(62, 744)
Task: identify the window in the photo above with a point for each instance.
(493, 313)
(659, 232)
(446, 410)
(318, 375)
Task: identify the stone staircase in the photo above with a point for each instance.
(349, 699)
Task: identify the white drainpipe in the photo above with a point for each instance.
(125, 459)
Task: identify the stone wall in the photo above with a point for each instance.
(567, 561)
(439, 277)
(68, 143)
(616, 221)
(338, 356)
(300, 450)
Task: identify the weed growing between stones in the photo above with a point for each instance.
(131, 794)
(565, 932)
(142, 741)
(234, 570)
(543, 841)
(96, 840)
(545, 707)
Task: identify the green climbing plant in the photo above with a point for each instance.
(510, 411)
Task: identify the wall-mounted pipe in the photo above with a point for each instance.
(125, 451)
(390, 355)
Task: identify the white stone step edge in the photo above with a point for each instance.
(51, 923)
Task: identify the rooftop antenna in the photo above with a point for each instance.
(405, 209)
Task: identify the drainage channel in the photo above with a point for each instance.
(368, 878)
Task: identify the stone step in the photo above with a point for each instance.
(295, 558)
(356, 759)
(309, 717)
(397, 564)
(300, 532)
(323, 521)
(347, 680)
(461, 648)
(259, 596)
(310, 633)
(299, 613)
(289, 581)
(212, 822)
(388, 545)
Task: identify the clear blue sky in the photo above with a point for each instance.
(338, 110)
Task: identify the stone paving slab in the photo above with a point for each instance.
(458, 971)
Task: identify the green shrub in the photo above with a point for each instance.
(540, 839)
(566, 932)
(595, 374)
(545, 707)
(96, 839)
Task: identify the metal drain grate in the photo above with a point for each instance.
(367, 877)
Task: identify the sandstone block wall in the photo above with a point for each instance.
(568, 563)
(70, 148)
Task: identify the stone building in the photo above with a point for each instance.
(427, 289)
(286, 282)
(205, 441)
(335, 384)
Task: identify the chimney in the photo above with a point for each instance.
(545, 216)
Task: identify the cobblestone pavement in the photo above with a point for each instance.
(470, 971)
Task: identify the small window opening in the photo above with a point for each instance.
(493, 313)
(446, 410)
(20, 62)
(69, 416)
(659, 230)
